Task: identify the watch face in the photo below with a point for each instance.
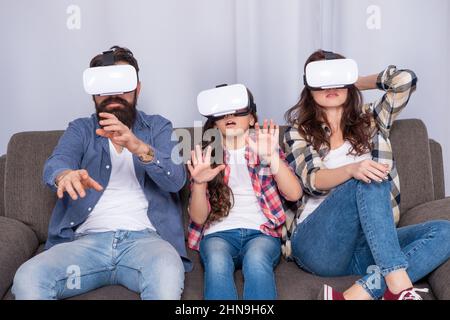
(148, 156)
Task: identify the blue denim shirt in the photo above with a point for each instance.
(81, 148)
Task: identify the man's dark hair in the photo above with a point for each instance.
(120, 54)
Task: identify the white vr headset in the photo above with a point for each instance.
(225, 99)
(110, 79)
(330, 73)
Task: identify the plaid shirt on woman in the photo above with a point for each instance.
(306, 161)
(266, 191)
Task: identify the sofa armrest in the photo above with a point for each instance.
(2, 185)
(433, 210)
(17, 244)
(437, 165)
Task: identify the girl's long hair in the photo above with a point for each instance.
(221, 197)
(309, 117)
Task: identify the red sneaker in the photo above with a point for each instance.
(408, 294)
(328, 293)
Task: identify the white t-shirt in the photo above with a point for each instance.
(246, 212)
(123, 205)
(334, 159)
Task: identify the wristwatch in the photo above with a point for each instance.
(147, 157)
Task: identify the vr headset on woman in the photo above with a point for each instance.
(224, 100)
(330, 73)
(109, 79)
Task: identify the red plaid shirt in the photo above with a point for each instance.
(266, 191)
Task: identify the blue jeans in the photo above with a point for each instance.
(352, 232)
(139, 260)
(253, 251)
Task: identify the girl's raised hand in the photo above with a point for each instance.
(200, 166)
(266, 141)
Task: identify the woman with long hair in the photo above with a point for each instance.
(346, 222)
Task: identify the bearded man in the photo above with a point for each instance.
(118, 218)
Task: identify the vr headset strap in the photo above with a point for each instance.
(108, 58)
(330, 55)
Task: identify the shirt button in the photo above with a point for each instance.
(89, 209)
(107, 166)
(168, 172)
(72, 223)
(157, 161)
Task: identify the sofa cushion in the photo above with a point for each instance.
(29, 200)
(193, 283)
(411, 149)
(433, 210)
(18, 243)
(292, 282)
(438, 170)
(439, 279)
(2, 185)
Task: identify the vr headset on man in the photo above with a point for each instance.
(330, 73)
(109, 79)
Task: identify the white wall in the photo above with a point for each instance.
(186, 46)
(182, 47)
(414, 34)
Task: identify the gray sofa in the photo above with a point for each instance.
(26, 205)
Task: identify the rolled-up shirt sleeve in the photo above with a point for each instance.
(67, 155)
(304, 160)
(398, 86)
(167, 172)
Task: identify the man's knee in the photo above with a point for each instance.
(164, 277)
(32, 281)
(168, 262)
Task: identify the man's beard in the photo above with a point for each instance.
(126, 114)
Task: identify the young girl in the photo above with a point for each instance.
(340, 149)
(236, 209)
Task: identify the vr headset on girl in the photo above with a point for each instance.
(109, 79)
(330, 73)
(225, 99)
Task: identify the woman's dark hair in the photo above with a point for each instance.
(220, 194)
(309, 117)
(120, 54)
